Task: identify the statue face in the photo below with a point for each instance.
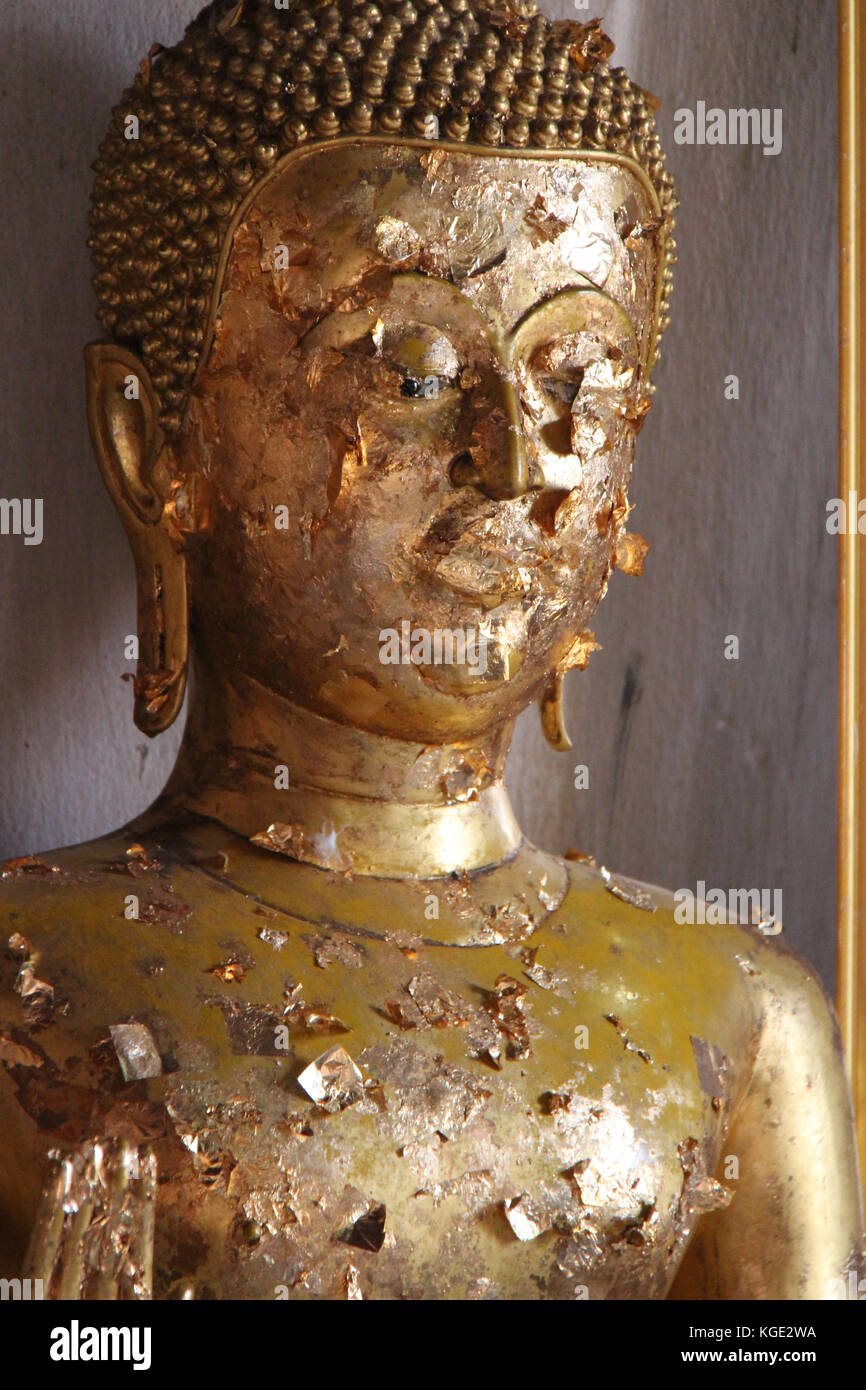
(417, 416)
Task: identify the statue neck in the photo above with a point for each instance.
(337, 797)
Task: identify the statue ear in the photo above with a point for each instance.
(123, 414)
(552, 717)
(122, 411)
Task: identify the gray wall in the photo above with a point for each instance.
(700, 768)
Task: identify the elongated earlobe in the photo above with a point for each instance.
(552, 718)
(122, 412)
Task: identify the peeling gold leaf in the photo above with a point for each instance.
(631, 551)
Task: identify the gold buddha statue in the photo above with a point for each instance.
(382, 285)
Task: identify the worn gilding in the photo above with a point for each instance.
(322, 1024)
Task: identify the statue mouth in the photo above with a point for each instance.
(490, 578)
(490, 556)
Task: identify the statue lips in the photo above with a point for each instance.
(495, 578)
(490, 556)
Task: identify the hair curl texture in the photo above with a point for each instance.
(252, 80)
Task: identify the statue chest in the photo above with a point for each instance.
(428, 1178)
(339, 1115)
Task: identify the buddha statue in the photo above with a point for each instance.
(382, 286)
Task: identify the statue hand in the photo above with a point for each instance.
(93, 1237)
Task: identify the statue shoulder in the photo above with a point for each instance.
(39, 891)
(92, 927)
(677, 944)
(147, 871)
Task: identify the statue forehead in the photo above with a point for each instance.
(508, 230)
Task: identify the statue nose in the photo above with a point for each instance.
(504, 469)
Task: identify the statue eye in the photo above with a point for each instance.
(426, 388)
(561, 367)
(562, 388)
(424, 361)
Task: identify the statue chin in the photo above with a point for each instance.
(382, 296)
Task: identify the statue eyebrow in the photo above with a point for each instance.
(482, 269)
(366, 322)
(545, 304)
(366, 314)
(395, 277)
(523, 318)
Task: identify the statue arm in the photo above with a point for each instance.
(794, 1228)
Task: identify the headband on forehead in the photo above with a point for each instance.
(253, 80)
